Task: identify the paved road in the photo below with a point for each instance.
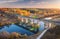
(40, 36)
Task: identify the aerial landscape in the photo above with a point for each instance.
(16, 23)
(29, 19)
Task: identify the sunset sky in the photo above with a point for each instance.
(30, 3)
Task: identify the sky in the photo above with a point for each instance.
(29, 3)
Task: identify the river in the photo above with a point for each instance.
(15, 28)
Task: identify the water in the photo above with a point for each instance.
(42, 26)
(15, 28)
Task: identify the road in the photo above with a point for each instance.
(40, 36)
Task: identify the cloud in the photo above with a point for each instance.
(29, 3)
(7, 1)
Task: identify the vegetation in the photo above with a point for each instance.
(52, 33)
(12, 16)
(29, 11)
(13, 35)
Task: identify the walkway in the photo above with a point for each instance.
(40, 36)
